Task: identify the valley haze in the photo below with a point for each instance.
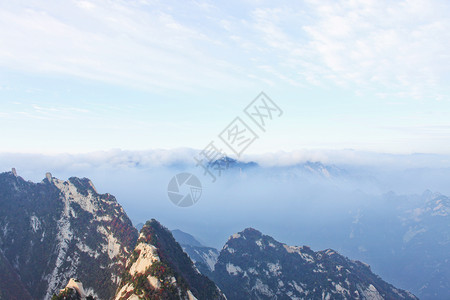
(328, 120)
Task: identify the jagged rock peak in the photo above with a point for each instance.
(49, 177)
(73, 291)
(256, 266)
(159, 269)
(251, 232)
(247, 233)
(66, 230)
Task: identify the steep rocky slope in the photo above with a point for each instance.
(54, 230)
(159, 269)
(11, 287)
(407, 240)
(255, 266)
(203, 257)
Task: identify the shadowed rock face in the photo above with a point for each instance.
(255, 266)
(54, 230)
(159, 269)
(11, 287)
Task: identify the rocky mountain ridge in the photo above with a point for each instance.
(55, 229)
(159, 269)
(256, 266)
(202, 256)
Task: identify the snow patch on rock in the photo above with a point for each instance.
(262, 288)
(259, 243)
(112, 247)
(233, 270)
(63, 238)
(35, 223)
(70, 192)
(298, 250)
(211, 259)
(371, 293)
(275, 269)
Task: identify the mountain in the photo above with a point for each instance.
(184, 238)
(300, 170)
(11, 287)
(228, 163)
(73, 291)
(54, 230)
(255, 266)
(318, 168)
(203, 257)
(311, 172)
(159, 269)
(408, 244)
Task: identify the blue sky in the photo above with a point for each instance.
(80, 76)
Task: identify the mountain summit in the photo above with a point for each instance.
(256, 266)
(159, 269)
(55, 230)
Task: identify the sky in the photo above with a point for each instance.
(84, 76)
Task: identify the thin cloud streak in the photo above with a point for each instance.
(119, 159)
(367, 45)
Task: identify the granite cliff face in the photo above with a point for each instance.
(54, 230)
(159, 269)
(255, 266)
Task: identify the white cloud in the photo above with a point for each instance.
(184, 157)
(118, 42)
(390, 48)
(399, 46)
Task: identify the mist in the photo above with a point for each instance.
(276, 197)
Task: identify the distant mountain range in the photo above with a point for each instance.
(56, 230)
(203, 257)
(316, 168)
(409, 239)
